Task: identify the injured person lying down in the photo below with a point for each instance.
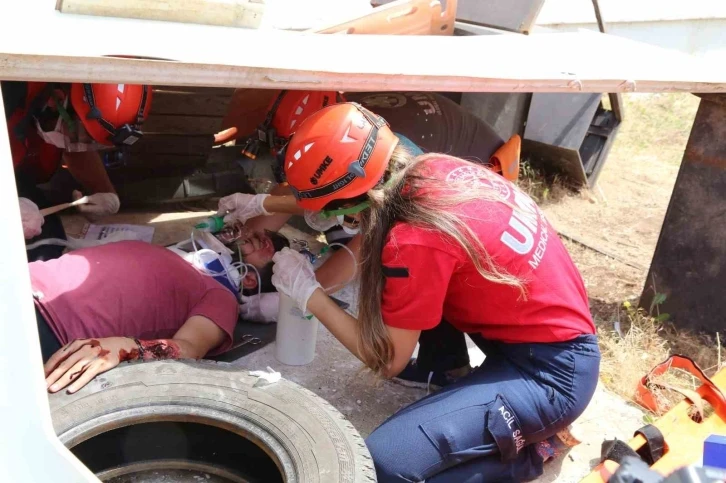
(99, 306)
(239, 258)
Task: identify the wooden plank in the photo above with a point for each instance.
(402, 17)
(154, 160)
(170, 124)
(209, 91)
(211, 56)
(226, 13)
(173, 144)
(179, 103)
(510, 15)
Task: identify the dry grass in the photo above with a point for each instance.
(634, 342)
(623, 218)
(655, 125)
(540, 188)
(630, 348)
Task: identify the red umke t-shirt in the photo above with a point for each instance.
(429, 277)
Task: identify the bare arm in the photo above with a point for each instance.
(343, 326)
(88, 169)
(77, 363)
(282, 204)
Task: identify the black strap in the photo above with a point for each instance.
(271, 113)
(650, 452)
(365, 154)
(395, 272)
(142, 105)
(95, 113)
(615, 450)
(36, 105)
(654, 445)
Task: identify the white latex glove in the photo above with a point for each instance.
(317, 221)
(242, 207)
(294, 276)
(31, 217)
(260, 308)
(99, 204)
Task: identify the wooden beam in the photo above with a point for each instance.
(402, 17)
(180, 103)
(237, 13)
(173, 124)
(221, 57)
(162, 144)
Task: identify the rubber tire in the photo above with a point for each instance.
(309, 439)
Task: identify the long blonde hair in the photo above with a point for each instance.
(400, 198)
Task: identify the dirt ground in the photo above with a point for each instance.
(623, 215)
(622, 218)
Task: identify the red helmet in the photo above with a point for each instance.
(285, 114)
(112, 113)
(339, 152)
(291, 108)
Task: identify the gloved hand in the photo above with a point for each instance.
(316, 221)
(294, 276)
(242, 207)
(260, 308)
(99, 204)
(31, 217)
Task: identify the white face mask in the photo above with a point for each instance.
(348, 229)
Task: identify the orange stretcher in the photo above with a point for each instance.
(683, 436)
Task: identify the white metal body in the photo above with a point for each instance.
(29, 449)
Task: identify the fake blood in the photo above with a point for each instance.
(160, 349)
(128, 356)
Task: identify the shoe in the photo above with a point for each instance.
(557, 445)
(414, 376)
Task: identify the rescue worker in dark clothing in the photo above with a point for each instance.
(53, 125)
(433, 122)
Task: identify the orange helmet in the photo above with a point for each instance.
(112, 113)
(285, 114)
(340, 152)
(296, 106)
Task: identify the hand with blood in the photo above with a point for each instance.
(77, 363)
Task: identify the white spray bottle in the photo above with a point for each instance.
(296, 334)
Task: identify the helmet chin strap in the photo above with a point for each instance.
(123, 135)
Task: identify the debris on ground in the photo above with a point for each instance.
(265, 378)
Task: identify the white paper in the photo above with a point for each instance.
(99, 232)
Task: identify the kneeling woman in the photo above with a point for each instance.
(447, 246)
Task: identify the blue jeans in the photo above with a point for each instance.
(482, 428)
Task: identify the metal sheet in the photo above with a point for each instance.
(513, 15)
(689, 265)
(561, 119)
(506, 113)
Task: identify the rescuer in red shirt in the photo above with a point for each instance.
(447, 248)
